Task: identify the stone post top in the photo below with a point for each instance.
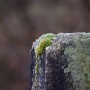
(60, 38)
(61, 62)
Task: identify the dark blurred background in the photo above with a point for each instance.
(22, 21)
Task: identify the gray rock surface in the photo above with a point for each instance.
(65, 65)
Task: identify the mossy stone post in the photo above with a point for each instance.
(63, 63)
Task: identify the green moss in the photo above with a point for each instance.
(36, 68)
(44, 41)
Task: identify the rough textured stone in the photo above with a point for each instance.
(65, 65)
